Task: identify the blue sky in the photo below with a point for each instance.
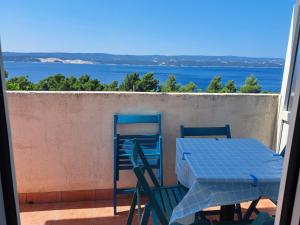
(172, 27)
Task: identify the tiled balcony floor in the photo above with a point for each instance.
(89, 213)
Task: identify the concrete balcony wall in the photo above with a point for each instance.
(63, 141)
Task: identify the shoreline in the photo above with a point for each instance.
(140, 65)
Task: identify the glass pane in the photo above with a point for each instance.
(294, 78)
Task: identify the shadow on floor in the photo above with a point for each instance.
(119, 219)
(93, 213)
(71, 205)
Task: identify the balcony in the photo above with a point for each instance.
(63, 146)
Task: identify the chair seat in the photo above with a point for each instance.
(168, 198)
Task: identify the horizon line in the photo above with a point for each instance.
(171, 55)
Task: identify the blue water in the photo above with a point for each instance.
(269, 78)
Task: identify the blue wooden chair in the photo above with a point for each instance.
(263, 218)
(161, 199)
(123, 146)
(205, 131)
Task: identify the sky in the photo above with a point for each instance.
(255, 28)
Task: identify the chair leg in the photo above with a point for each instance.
(161, 174)
(200, 218)
(138, 197)
(251, 209)
(238, 211)
(158, 174)
(146, 215)
(132, 209)
(115, 193)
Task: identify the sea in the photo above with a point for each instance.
(269, 78)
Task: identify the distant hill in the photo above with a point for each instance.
(159, 60)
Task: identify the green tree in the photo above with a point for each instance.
(54, 82)
(215, 85)
(20, 83)
(71, 83)
(5, 74)
(130, 82)
(59, 82)
(229, 87)
(189, 87)
(171, 85)
(251, 85)
(88, 84)
(113, 86)
(147, 83)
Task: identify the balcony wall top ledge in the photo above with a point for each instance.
(140, 93)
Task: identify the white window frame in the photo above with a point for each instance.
(283, 113)
(288, 207)
(9, 206)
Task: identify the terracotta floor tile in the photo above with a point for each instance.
(104, 194)
(22, 198)
(90, 212)
(43, 197)
(72, 196)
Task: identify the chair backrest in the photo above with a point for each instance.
(205, 131)
(136, 119)
(140, 166)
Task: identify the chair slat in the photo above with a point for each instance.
(129, 167)
(146, 151)
(129, 149)
(138, 136)
(138, 118)
(166, 202)
(171, 197)
(205, 131)
(154, 218)
(141, 141)
(125, 167)
(152, 161)
(178, 195)
(148, 157)
(144, 146)
(158, 198)
(183, 190)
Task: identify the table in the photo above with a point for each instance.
(222, 172)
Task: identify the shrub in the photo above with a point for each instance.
(20, 83)
(229, 87)
(251, 85)
(170, 85)
(215, 85)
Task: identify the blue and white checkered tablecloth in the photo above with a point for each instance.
(223, 172)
